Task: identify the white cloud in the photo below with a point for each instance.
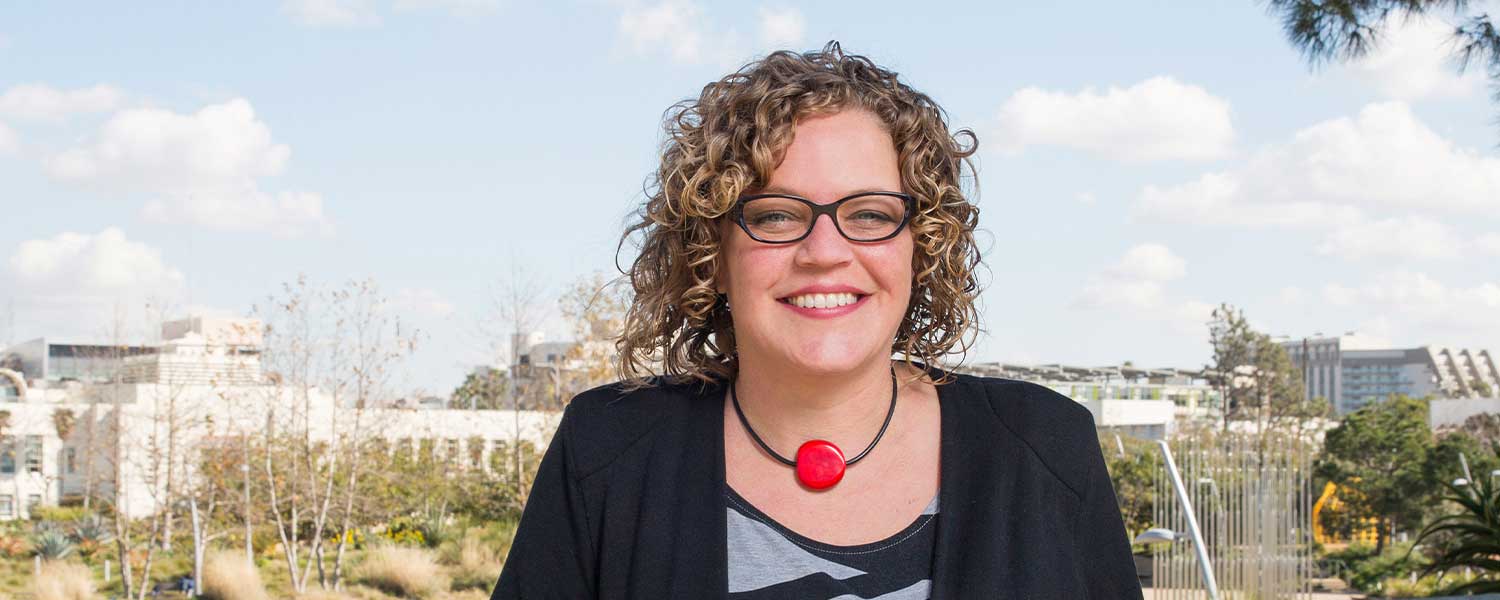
(43, 102)
(1086, 198)
(1150, 261)
(422, 301)
(1372, 334)
(1488, 243)
(1384, 158)
(10, 143)
(1157, 119)
(331, 13)
(202, 167)
(1135, 281)
(1219, 199)
(781, 27)
(1291, 296)
(1413, 61)
(81, 265)
(677, 26)
(1424, 309)
(1413, 236)
(461, 8)
(1136, 286)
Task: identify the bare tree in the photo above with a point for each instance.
(516, 310)
(333, 352)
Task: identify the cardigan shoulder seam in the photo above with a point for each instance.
(620, 450)
(990, 385)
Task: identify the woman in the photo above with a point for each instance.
(807, 223)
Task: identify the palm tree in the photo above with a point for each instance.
(1476, 531)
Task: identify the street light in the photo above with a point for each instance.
(1159, 535)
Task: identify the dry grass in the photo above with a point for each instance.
(227, 576)
(63, 581)
(403, 571)
(475, 564)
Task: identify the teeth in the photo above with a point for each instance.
(823, 300)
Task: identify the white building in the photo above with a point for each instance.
(1143, 403)
(205, 379)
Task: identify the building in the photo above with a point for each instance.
(1350, 378)
(61, 437)
(1143, 403)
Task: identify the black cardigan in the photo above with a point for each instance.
(629, 499)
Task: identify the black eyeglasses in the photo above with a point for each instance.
(862, 217)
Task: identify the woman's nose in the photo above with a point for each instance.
(824, 245)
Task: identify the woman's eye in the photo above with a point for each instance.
(872, 216)
(771, 218)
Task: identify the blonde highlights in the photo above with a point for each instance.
(727, 143)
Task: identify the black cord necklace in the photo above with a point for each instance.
(819, 464)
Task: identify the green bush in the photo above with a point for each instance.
(403, 531)
(60, 514)
(1367, 572)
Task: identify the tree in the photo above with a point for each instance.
(332, 352)
(485, 388)
(1329, 30)
(597, 308)
(1257, 378)
(1132, 465)
(1475, 532)
(1380, 450)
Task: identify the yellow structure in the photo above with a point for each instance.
(1329, 502)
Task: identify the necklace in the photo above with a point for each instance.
(820, 464)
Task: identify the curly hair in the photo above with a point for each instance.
(726, 143)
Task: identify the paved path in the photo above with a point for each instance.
(1152, 593)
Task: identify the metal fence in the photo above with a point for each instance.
(1252, 497)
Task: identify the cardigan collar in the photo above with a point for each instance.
(702, 565)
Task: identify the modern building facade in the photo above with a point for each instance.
(1352, 378)
(1143, 403)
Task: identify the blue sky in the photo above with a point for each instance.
(1139, 163)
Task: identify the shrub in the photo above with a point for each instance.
(403, 571)
(401, 530)
(475, 564)
(500, 535)
(63, 581)
(1367, 572)
(226, 576)
(13, 547)
(60, 514)
(51, 544)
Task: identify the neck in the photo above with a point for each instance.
(787, 408)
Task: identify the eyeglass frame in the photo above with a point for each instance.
(831, 209)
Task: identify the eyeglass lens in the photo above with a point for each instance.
(861, 218)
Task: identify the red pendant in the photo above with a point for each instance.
(820, 464)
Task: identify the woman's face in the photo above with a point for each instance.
(831, 156)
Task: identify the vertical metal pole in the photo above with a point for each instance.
(1192, 522)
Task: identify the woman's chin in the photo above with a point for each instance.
(833, 361)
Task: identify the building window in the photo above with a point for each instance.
(70, 459)
(34, 454)
(7, 505)
(7, 460)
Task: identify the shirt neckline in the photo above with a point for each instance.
(910, 530)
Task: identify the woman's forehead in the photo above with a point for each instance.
(836, 155)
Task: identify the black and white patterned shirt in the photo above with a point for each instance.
(767, 560)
